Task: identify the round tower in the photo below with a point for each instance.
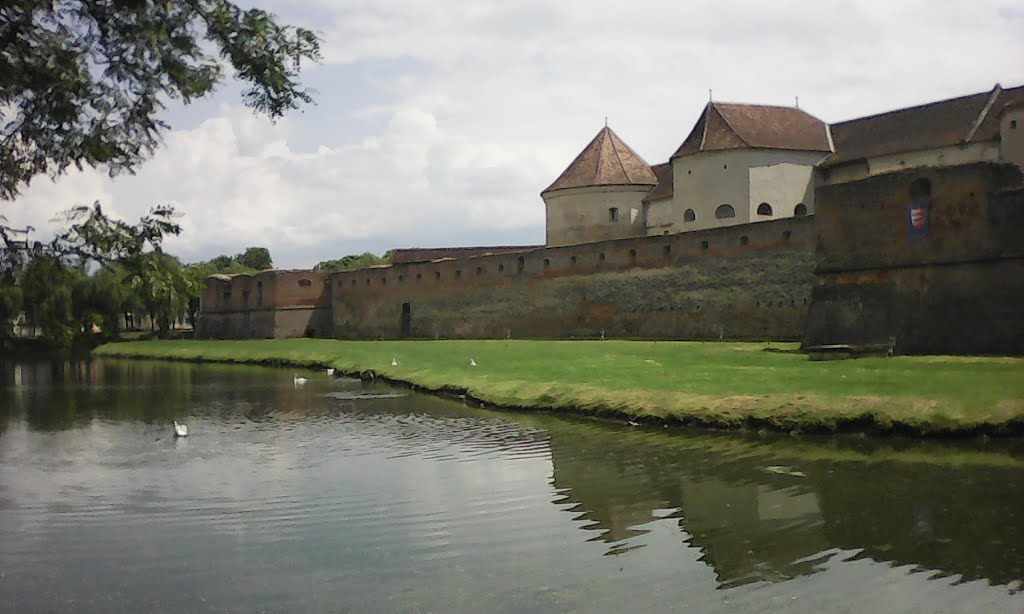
(599, 195)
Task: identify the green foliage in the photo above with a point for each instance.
(255, 258)
(48, 287)
(352, 262)
(82, 81)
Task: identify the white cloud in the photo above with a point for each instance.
(482, 105)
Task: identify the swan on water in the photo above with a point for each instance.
(394, 361)
(180, 430)
(472, 362)
(298, 380)
(330, 370)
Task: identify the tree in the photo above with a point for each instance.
(255, 258)
(352, 262)
(82, 81)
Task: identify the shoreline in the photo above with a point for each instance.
(706, 384)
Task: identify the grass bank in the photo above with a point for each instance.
(714, 384)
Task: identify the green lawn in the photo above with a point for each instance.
(722, 384)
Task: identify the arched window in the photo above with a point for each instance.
(800, 210)
(764, 209)
(725, 211)
(632, 256)
(744, 240)
(305, 282)
(689, 215)
(259, 294)
(520, 264)
(920, 190)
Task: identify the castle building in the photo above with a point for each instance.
(905, 227)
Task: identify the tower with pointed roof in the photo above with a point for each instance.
(741, 163)
(599, 195)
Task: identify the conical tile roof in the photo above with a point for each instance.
(605, 161)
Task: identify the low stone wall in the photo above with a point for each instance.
(745, 282)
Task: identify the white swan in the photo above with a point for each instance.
(472, 362)
(298, 380)
(180, 430)
(394, 361)
(330, 370)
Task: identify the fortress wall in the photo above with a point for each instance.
(750, 281)
(269, 304)
(958, 287)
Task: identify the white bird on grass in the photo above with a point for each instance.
(298, 381)
(632, 423)
(394, 361)
(180, 430)
(330, 370)
(472, 362)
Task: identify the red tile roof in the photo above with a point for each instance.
(966, 119)
(739, 126)
(606, 160)
(663, 190)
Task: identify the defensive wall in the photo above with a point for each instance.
(265, 305)
(748, 281)
(946, 278)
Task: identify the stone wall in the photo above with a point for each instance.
(956, 285)
(744, 282)
(265, 305)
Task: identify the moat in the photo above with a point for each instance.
(339, 495)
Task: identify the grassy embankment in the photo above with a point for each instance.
(716, 384)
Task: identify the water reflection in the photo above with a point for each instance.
(418, 503)
(946, 507)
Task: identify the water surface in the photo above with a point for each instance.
(343, 496)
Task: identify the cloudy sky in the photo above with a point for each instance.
(439, 123)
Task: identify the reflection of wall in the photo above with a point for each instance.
(754, 522)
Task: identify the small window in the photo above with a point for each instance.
(437, 275)
(613, 214)
(227, 296)
(1013, 124)
(800, 210)
(547, 263)
(419, 276)
(689, 215)
(764, 209)
(259, 293)
(689, 172)
(920, 189)
(572, 259)
(520, 264)
(725, 211)
(601, 257)
(458, 273)
(704, 245)
(367, 281)
(725, 166)
(501, 268)
(401, 278)
(383, 281)
(666, 252)
(744, 240)
(305, 282)
(786, 234)
(479, 270)
(632, 256)
(353, 282)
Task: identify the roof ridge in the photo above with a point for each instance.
(728, 123)
(618, 157)
(996, 91)
(913, 108)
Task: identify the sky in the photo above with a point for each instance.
(439, 123)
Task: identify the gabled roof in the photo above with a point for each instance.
(967, 119)
(725, 125)
(606, 160)
(664, 188)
